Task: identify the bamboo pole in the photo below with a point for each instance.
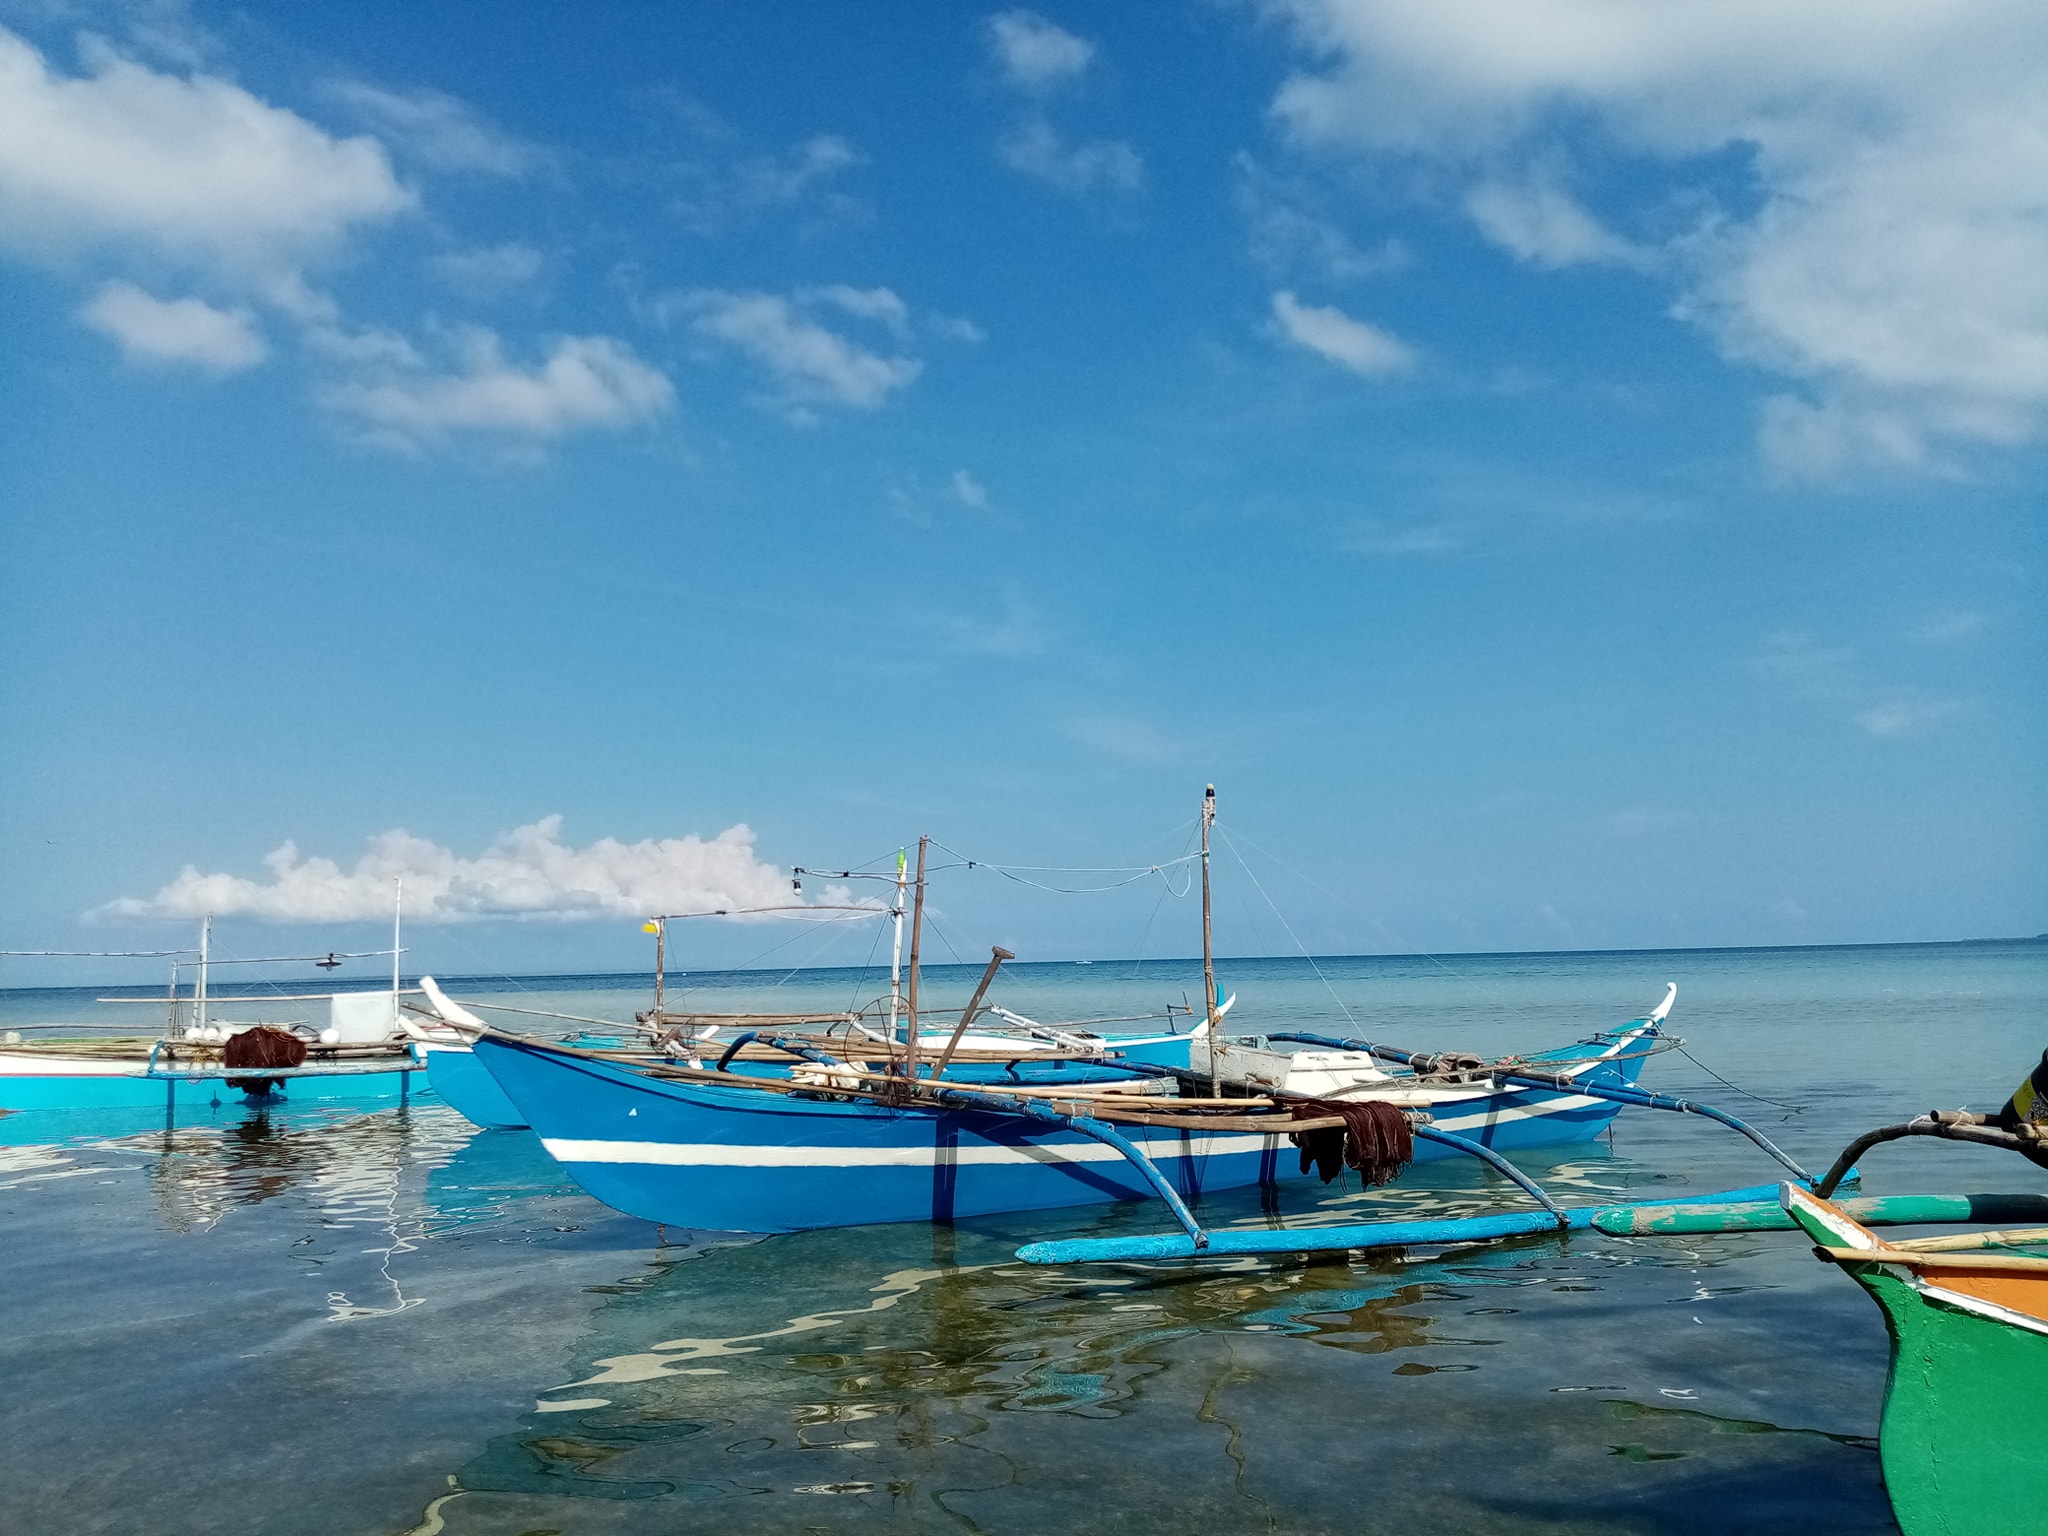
(996, 956)
(1208, 950)
(916, 940)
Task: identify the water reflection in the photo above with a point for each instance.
(866, 1367)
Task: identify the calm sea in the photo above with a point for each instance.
(328, 1322)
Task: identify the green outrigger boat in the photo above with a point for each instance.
(1964, 1438)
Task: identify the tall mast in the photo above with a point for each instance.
(397, 914)
(916, 937)
(1208, 950)
(896, 952)
(199, 987)
(659, 928)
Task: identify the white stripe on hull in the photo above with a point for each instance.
(722, 1155)
(717, 1155)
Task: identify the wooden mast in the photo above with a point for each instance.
(916, 938)
(1208, 950)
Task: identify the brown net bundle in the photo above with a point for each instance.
(1374, 1139)
(264, 1047)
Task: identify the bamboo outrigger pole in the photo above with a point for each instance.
(1208, 951)
(916, 936)
(996, 956)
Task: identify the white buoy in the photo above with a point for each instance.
(330, 1035)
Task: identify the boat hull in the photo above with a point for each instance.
(465, 1086)
(729, 1159)
(1963, 1439)
(468, 1087)
(47, 1099)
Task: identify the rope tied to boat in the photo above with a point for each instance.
(1375, 1138)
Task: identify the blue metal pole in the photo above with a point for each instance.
(1500, 1164)
(961, 1098)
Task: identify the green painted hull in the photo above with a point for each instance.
(1965, 1434)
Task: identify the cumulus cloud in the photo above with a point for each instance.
(189, 331)
(437, 131)
(1037, 149)
(808, 364)
(1889, 248)
(1336, 337)
(584, 382)
(189, 167)
(529, 873)
(1035, 53)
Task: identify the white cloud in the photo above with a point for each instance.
(968, 491)
(1374, 538)
(955, 328)
(1830, 677)
(808, 364)
(194, 168)
(1336, 337)
(528, 873)
(722, 183)
(584, 382)
(491, 269)
(1037, 149)
(880, 304)
(1538, 221)
(1287, 232)
(1016, 632)
(1036, 53)
(153, 330)
(1890, 248)
(1946, 628)
(438, 131)
(767, 180)
(1906, 715)
(1801, 440)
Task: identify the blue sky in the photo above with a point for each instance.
(1570, 472)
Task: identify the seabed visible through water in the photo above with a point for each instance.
(330, 1321)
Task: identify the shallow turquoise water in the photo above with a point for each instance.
(330, 1321)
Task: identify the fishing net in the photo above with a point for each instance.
(1374, 1139)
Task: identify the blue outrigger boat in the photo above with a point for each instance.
(714, 1150)
(832, 1141)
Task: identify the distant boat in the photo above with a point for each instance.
(361, 1051)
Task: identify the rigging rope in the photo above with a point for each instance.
(1311, 959)
(1134, 873)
